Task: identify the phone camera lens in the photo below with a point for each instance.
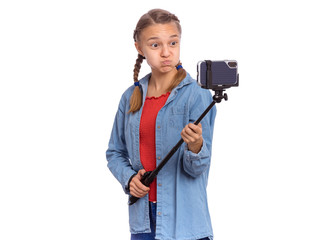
(232, 64)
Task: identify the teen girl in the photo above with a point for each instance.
(152, 116)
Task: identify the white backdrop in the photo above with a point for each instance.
(64, 65)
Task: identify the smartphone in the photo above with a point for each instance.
(217, 74)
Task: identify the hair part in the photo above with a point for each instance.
(154, 16)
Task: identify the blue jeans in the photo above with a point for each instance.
(152, 218)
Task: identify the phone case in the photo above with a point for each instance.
(223, 72)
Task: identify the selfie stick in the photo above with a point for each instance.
(149, 176)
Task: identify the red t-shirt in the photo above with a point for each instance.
(150, 110)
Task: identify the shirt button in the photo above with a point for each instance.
(159, 127)
(159, 213)
(159, 184)
(159, 158)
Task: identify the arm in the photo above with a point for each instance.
(197, 153)
(117, 154)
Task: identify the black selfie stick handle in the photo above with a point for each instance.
(149, 177)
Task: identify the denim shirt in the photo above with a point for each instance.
(182, 207)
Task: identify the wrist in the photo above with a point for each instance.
(129, 181)
(195, 147)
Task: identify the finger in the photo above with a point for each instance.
(139, 175)
(189, 135)
(190, 132)
(140, 187)
(136, 187)
(196, 128)
(187, 138)
(134, 191)
(192, 135)
(142, 172)
(137, 182)
(137, 192)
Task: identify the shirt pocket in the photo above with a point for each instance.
(178, 117)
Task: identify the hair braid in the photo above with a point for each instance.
(180, 75)
(137, 67)
(136, 98)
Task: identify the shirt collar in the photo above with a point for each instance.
(144, 82)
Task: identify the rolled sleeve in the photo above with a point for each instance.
(196, 163)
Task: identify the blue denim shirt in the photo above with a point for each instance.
(182, 207)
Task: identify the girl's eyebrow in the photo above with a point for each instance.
(155, 38)
(173, 36)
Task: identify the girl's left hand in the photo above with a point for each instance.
(192, 135)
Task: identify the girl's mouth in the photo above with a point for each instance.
(166, 63)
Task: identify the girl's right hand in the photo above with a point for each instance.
(137, 189)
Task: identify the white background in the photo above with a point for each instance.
(64, 65)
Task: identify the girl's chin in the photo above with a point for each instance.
(166, 68)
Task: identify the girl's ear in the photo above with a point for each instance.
(137, 46)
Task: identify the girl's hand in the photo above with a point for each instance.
(137, 189)
(192, 135)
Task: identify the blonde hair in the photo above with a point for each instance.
(155, 16)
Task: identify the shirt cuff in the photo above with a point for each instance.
(196, 163)
(191, 156)
(127, 188)
(128, 179)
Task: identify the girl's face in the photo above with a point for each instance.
(160, 44)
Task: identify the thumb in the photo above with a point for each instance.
(141, 172)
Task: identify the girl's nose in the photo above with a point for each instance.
(165, 51)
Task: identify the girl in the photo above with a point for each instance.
(152, 116)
